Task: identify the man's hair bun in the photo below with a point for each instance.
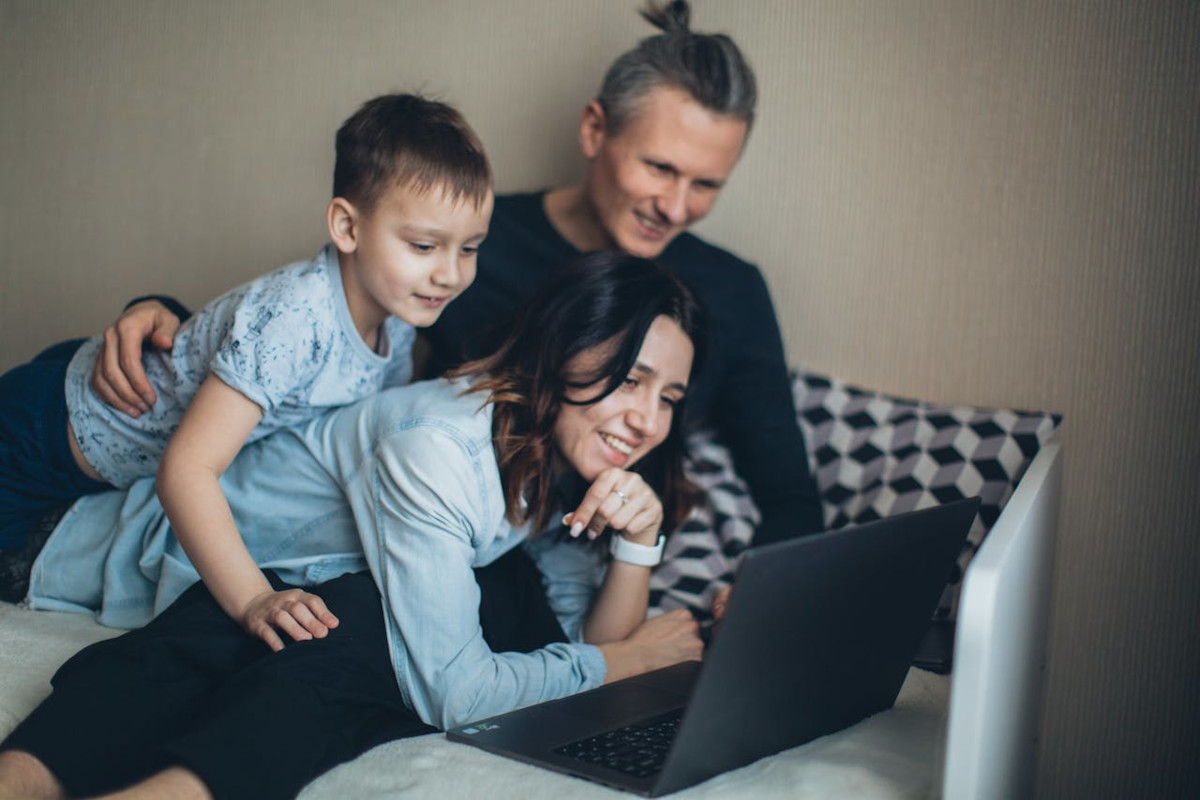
(671, 17)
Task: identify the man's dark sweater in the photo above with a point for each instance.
(742, 390)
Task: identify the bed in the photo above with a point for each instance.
(973, 733)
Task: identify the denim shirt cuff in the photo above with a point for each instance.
(595, 668)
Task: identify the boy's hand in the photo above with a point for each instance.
(118, 378)
(297, 613)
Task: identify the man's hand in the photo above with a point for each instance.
(118, 378)
(297, 613)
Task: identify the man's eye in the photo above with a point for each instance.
(470, 250)
(421, 247)
(670, 402)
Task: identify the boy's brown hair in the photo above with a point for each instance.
(407, 140)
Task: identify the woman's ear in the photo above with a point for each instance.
(591, 129)
(342, 218)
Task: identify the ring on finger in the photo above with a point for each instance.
(624, 497)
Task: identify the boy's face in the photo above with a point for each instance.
(409, 256)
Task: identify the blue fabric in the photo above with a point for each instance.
(406, 479)
(37, 472)
(286, 341)
(742, 389)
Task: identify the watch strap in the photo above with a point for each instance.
(640, 554)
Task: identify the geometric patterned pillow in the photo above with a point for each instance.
(872, 455)
(702, 556)
(875, 455)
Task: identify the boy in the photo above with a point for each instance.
(412, 201)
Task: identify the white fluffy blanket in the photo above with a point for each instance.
(895, 754)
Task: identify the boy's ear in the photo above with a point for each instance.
(592, 126)
(342, 218)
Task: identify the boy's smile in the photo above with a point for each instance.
(408, 256)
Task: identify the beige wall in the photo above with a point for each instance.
(967, 201)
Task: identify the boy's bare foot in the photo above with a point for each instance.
(174, 783)
(24, 777)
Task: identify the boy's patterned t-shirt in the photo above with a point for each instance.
(285, 340)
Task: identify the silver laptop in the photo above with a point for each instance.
(818, 635)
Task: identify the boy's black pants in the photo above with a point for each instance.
(193, 689)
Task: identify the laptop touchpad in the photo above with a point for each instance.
(618, 702)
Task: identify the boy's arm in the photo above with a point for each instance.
(118, 377)
(214, 428)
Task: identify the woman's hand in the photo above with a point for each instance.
(297, 613)
(622, 501)
(118, 378)
(658, 642)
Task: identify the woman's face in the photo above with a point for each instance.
(661, 173)
(631, 421)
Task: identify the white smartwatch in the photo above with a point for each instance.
(633, 553)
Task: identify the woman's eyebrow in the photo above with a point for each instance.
(650, 371)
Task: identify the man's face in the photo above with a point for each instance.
(661, 172)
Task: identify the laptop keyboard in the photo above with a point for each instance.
(638, 750)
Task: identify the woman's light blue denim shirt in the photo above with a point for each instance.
(404, 483)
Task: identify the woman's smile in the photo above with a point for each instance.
(620, 428)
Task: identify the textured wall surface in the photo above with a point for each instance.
(966, 201)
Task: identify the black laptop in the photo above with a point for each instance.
(818, 635)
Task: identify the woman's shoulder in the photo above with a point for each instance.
(441, 409)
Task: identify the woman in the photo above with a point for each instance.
(438, 478)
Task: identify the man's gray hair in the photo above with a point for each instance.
(709, 67)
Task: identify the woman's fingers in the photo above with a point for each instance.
(588, 515)
(620, 500)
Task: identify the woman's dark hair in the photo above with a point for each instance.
(708, 66)
(603, 299)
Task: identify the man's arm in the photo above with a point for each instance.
(118, 377)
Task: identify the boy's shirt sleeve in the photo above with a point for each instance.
(271, 349)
